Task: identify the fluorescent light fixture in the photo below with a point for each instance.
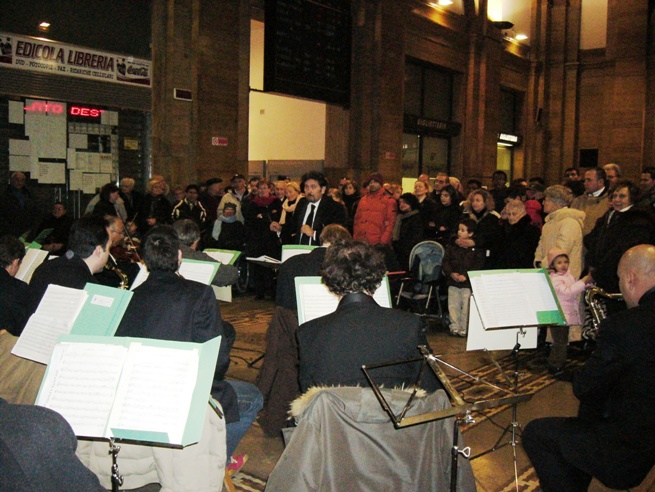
(444, 3)
(521, 37)
(44, 25)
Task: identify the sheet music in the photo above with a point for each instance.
(62, 303)
(39, 338)
(505, 301)
(83, 384)
(289, 252)
(538, 291)
(156, 389)
(200, 272)
(478, 338)
(315, 299)
(32, 259)
(220, 256)
(140, 277)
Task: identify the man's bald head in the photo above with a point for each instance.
(636, 273)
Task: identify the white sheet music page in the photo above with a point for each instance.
(62, 303)
(220, 256)
(315, 301)
(39, 338)
(538, 291)
(199, 272)
(81, 384)
(141, 277)
(55, 316)
(32, 259)
(503, 300)
(156, 390)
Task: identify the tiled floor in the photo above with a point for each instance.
(494, 472)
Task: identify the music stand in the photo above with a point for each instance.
(504, 304)
(460, 406)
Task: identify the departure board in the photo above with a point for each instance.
(307, 49)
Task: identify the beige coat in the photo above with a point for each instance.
(562, 229)
(593, 207)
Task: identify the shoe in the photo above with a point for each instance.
(462, 334)
(236, 463)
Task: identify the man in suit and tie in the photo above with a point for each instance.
(316, 210)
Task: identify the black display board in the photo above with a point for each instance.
(307, 49)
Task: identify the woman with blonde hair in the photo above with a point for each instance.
(155, 208)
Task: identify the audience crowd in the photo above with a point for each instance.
(578, 229)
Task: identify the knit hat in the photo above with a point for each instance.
(554, 253)
(374, 177)
(410, 199)
(231, 205)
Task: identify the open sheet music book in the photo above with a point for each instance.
(136, 389)
(289, 250)
(264, 259)
(315, 300)
(224, 256)
(199, 271)
(32, 259)
(515, 298)
(94, 310)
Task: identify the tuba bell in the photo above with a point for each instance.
(594, 297)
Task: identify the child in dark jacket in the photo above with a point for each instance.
(457, 262)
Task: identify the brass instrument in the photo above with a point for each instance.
(112, 267)
(593, 298)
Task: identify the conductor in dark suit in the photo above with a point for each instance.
(613, 436)
(316, 210)
(334, 347)
(168, 307)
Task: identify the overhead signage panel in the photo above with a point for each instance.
(40, 55)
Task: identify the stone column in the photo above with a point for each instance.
(376, 101)
(202, 46)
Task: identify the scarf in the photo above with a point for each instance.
(216, 231)
(398, 224)
(261, 201)
(288, 207)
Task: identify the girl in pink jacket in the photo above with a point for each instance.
(567, 289)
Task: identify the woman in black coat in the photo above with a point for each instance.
(428, 209)
(448, 216)
(155, 208)
(519, 238)
(259, 212)
(488, 234)
(408, 229)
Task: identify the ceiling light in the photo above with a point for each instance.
(444, 3)
(521, 37)
(44, 26)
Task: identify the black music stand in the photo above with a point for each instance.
(461, 409)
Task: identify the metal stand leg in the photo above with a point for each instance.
(116, 478)
(513, 428)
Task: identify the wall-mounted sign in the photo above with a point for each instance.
(41, 55)
(219, 141)
(428, 126)
(509, 139)
(85, 111)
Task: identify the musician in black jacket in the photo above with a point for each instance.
(613, 436)
(169, 307)
(334, 347)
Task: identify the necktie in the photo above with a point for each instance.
(310, 221)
